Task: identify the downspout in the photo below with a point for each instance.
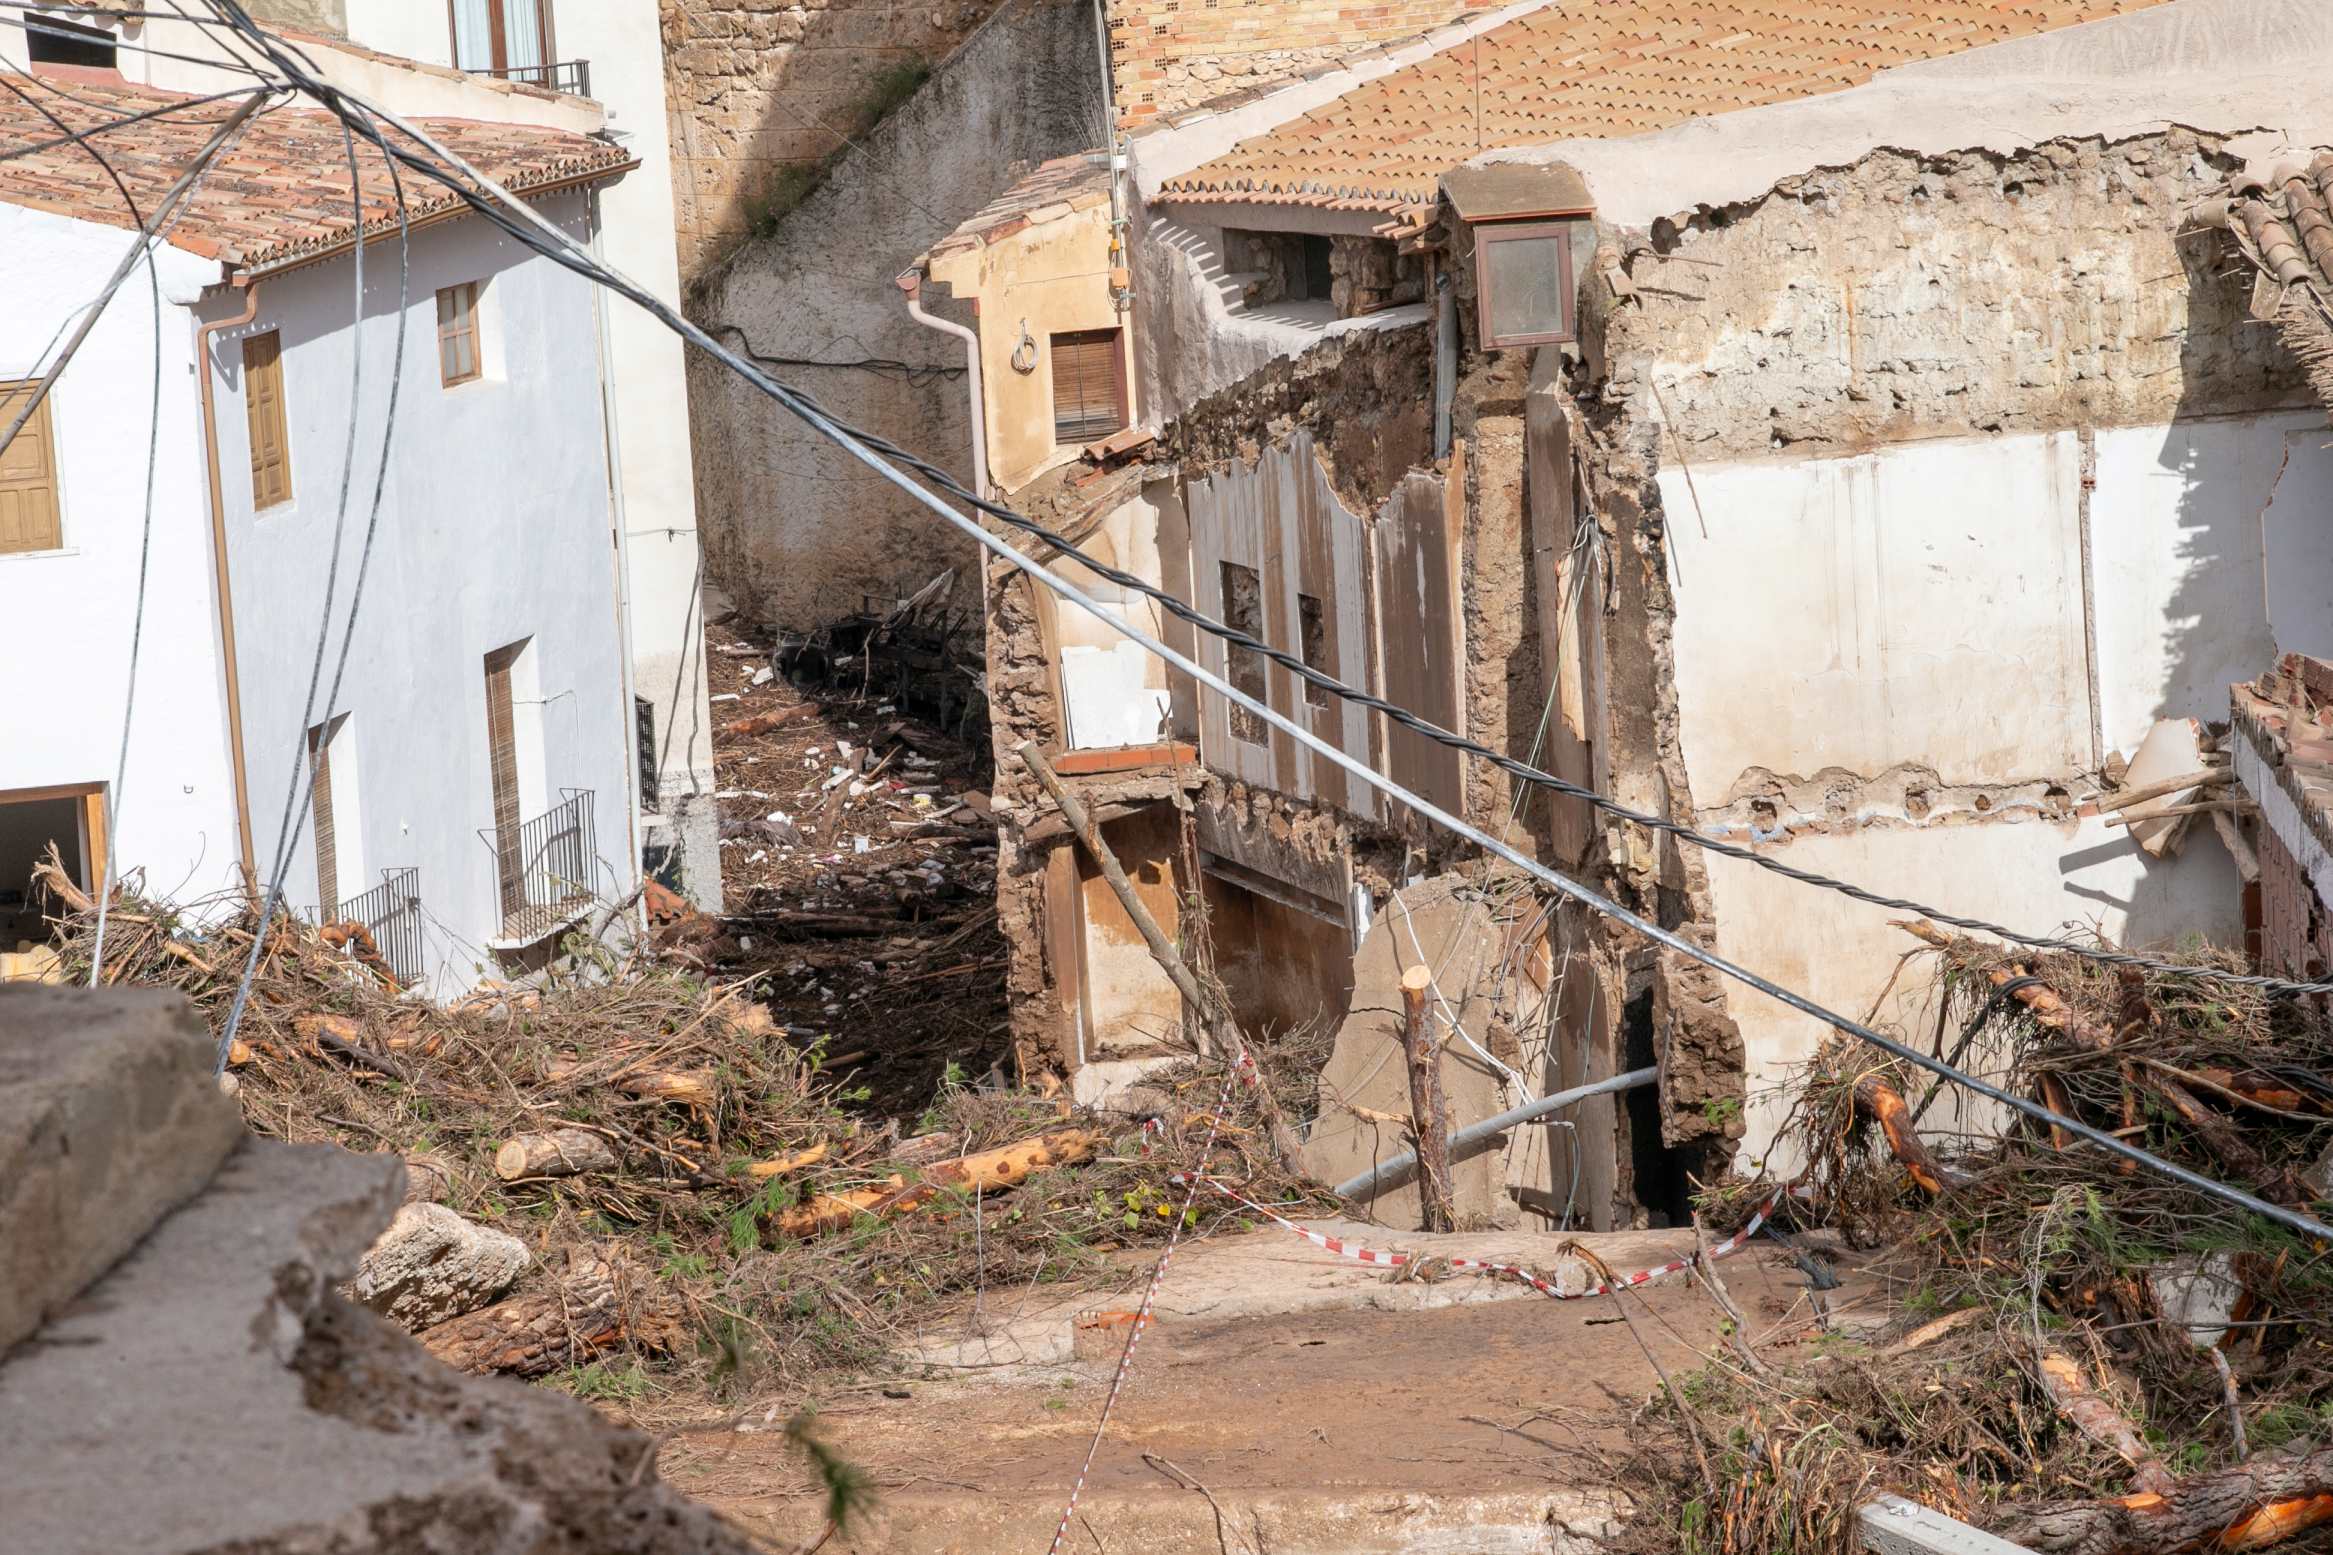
(210, 414)
(628, 723)
(911, 282)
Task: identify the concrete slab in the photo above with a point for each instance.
(109, 1119)
(1272, 1273)
(215, 1392)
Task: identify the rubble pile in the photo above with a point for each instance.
(2089, 1356)
(859, 865)
(629, 1179)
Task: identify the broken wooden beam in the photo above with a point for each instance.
(2209, 777)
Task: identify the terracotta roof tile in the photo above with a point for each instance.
(281, 192)
(1051, 191)
(1602, 69)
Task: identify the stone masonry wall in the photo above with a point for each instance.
(764, 91)
(795, 529)
(1168, 55)
(1909, 297)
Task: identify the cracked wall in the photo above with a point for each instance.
(1947, 478)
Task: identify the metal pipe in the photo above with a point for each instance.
(912, 284)
(1356, 1186)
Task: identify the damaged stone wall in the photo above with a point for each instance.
(764, 93)
(795, 529)
(1882, 457)
(1167, 56)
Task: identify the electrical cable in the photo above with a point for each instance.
(516, 218)
(915, 373)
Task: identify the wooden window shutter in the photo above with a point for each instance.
(1087, 405)
(263, 403)
(29, 518)
(320, 810)
(502, 766)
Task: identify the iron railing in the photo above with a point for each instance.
(571, 76)
(391, 915)
(544, 871)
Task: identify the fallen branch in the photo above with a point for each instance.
(988, 1171)
(591, 1309)
(1880, 1102)
(2099, 1420)
(2249, 1507)
(2209, 777)
(2201, 807)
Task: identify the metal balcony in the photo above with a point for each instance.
(543, 872)
(390, 915)
(571, 76)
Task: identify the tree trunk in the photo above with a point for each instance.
(590, 1309)
(2249, 1507)
(562, 1152)
(1429, 1115)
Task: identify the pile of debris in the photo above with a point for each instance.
(2072, 1321)
(859, 862)
(633, 1181)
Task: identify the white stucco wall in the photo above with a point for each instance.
(1922, 605)
(65, 670)
(495, 527)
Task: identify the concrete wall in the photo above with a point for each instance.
(494, 528)
(70, 612)
(795, 529)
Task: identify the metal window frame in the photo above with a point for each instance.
(1489, 232)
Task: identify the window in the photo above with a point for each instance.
(502, 771)
(28, 477)
(457, 334)
(644, 734)
(1312, 620)
(50, 40)
(509, 38)
(1087, 402)
(1318, 279)
(263, 403)
(1243, 611)
(320, 822)
(1523, 272)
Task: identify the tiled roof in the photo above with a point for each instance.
(1051, 191)
(280, 193)
(1601, 69)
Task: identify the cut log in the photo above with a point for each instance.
(432, 1266)
(779, 1166)
(923, 1149)
(428, 1178)
(2259, 1503)
(690, 1087)
(2099, 1420)
(1881, 1103)
(990, 1170)
(559, 1152)
(592, 1308)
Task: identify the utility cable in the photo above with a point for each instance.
(555, 244)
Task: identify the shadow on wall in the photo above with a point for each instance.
(794, 528)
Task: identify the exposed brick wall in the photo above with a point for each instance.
(1168, 55)
(757, 87)
(2296, 930)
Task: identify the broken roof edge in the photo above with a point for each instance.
(1167, 149)
(2088, 81)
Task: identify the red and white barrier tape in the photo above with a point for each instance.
(1370, 1255)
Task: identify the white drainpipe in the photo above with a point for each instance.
(911, 283)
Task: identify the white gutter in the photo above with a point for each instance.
(911, 282)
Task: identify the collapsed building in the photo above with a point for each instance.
(1862, 473)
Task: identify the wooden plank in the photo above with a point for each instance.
(1895, 1526)
(1130, 758)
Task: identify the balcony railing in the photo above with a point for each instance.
(571, 76)
(390, 914)
(544, 871)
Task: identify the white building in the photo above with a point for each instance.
(473, 792)
(595, 67)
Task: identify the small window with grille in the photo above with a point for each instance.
(1089, 398)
